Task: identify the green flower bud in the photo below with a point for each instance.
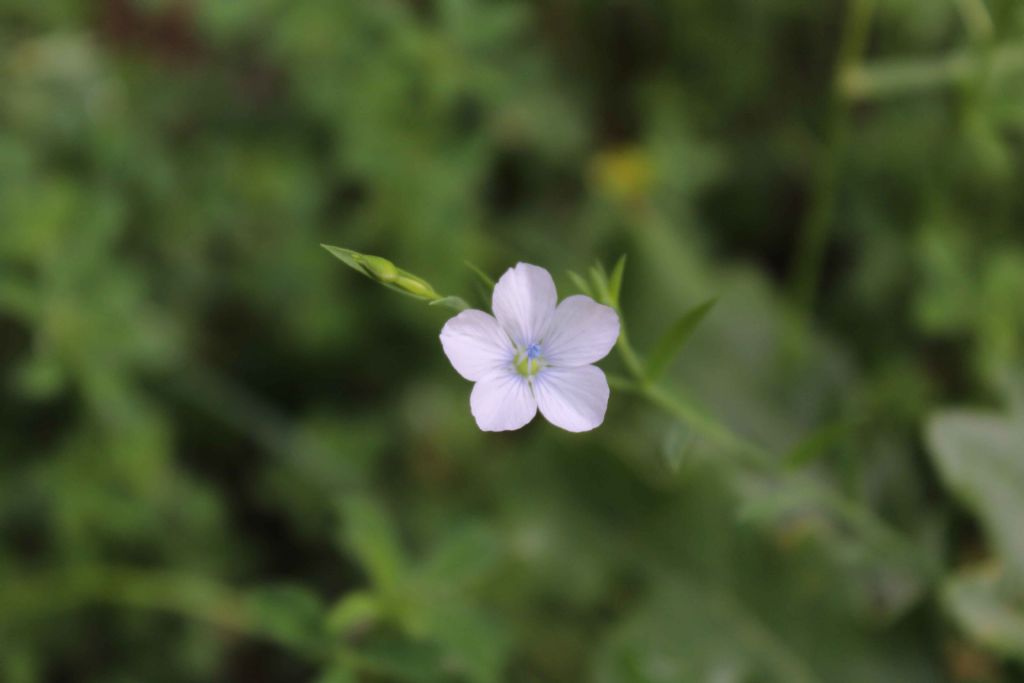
(385, 272)
(415, 286)
(378, 268)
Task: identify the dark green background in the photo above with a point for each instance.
(224, 456)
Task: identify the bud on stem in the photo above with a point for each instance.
(385, 272)
(377, 268)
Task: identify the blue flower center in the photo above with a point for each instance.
(528, 362)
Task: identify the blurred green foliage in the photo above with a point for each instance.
(226, 457)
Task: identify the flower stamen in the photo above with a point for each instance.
(529, 361)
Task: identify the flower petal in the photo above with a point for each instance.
(574, 399)
(502, 401)
(582, 331)
(524, 301)
(476, 345)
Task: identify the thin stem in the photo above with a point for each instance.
(978, 20)
(858, 517)
(185, 595)
(896, 77)
(706, 425)
(628, 353)
(818, 220)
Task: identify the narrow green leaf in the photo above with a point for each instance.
(453, 302)
(600, 280)
(677, 447)
(674, 339)
(615, 281)
(347, 256)
(581, 284)
(484, 277)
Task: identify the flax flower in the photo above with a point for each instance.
(533, 354)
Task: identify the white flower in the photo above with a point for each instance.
(532, 354)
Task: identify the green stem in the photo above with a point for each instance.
(704, 424)
(818, 220)
(892, 78)
(978, 20)
(628, 353)
(863, 520)
(188, 596)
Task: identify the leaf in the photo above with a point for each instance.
(370, 535)
(486, 279)
(581, 284)
(473, 640)
(464, 556)
(452, 302)
(980, 458)
(987, 609)
(615, 281)
(405, 660)
(600, 280)
(674, 338)
(289, 614)
(474, 643)
(347, 256)
(677, 447)
(354, 611)
(696, 631)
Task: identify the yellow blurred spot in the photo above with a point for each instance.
(624, 174)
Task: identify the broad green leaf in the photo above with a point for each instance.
(447, 608)
(289, 614)
(696, 631)
(988, 609)
(674, 338)
(464, 556)
(400, 659)
(369, 533)
(473, 641)
(980, 458)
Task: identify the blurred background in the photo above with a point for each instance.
(224, 456)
